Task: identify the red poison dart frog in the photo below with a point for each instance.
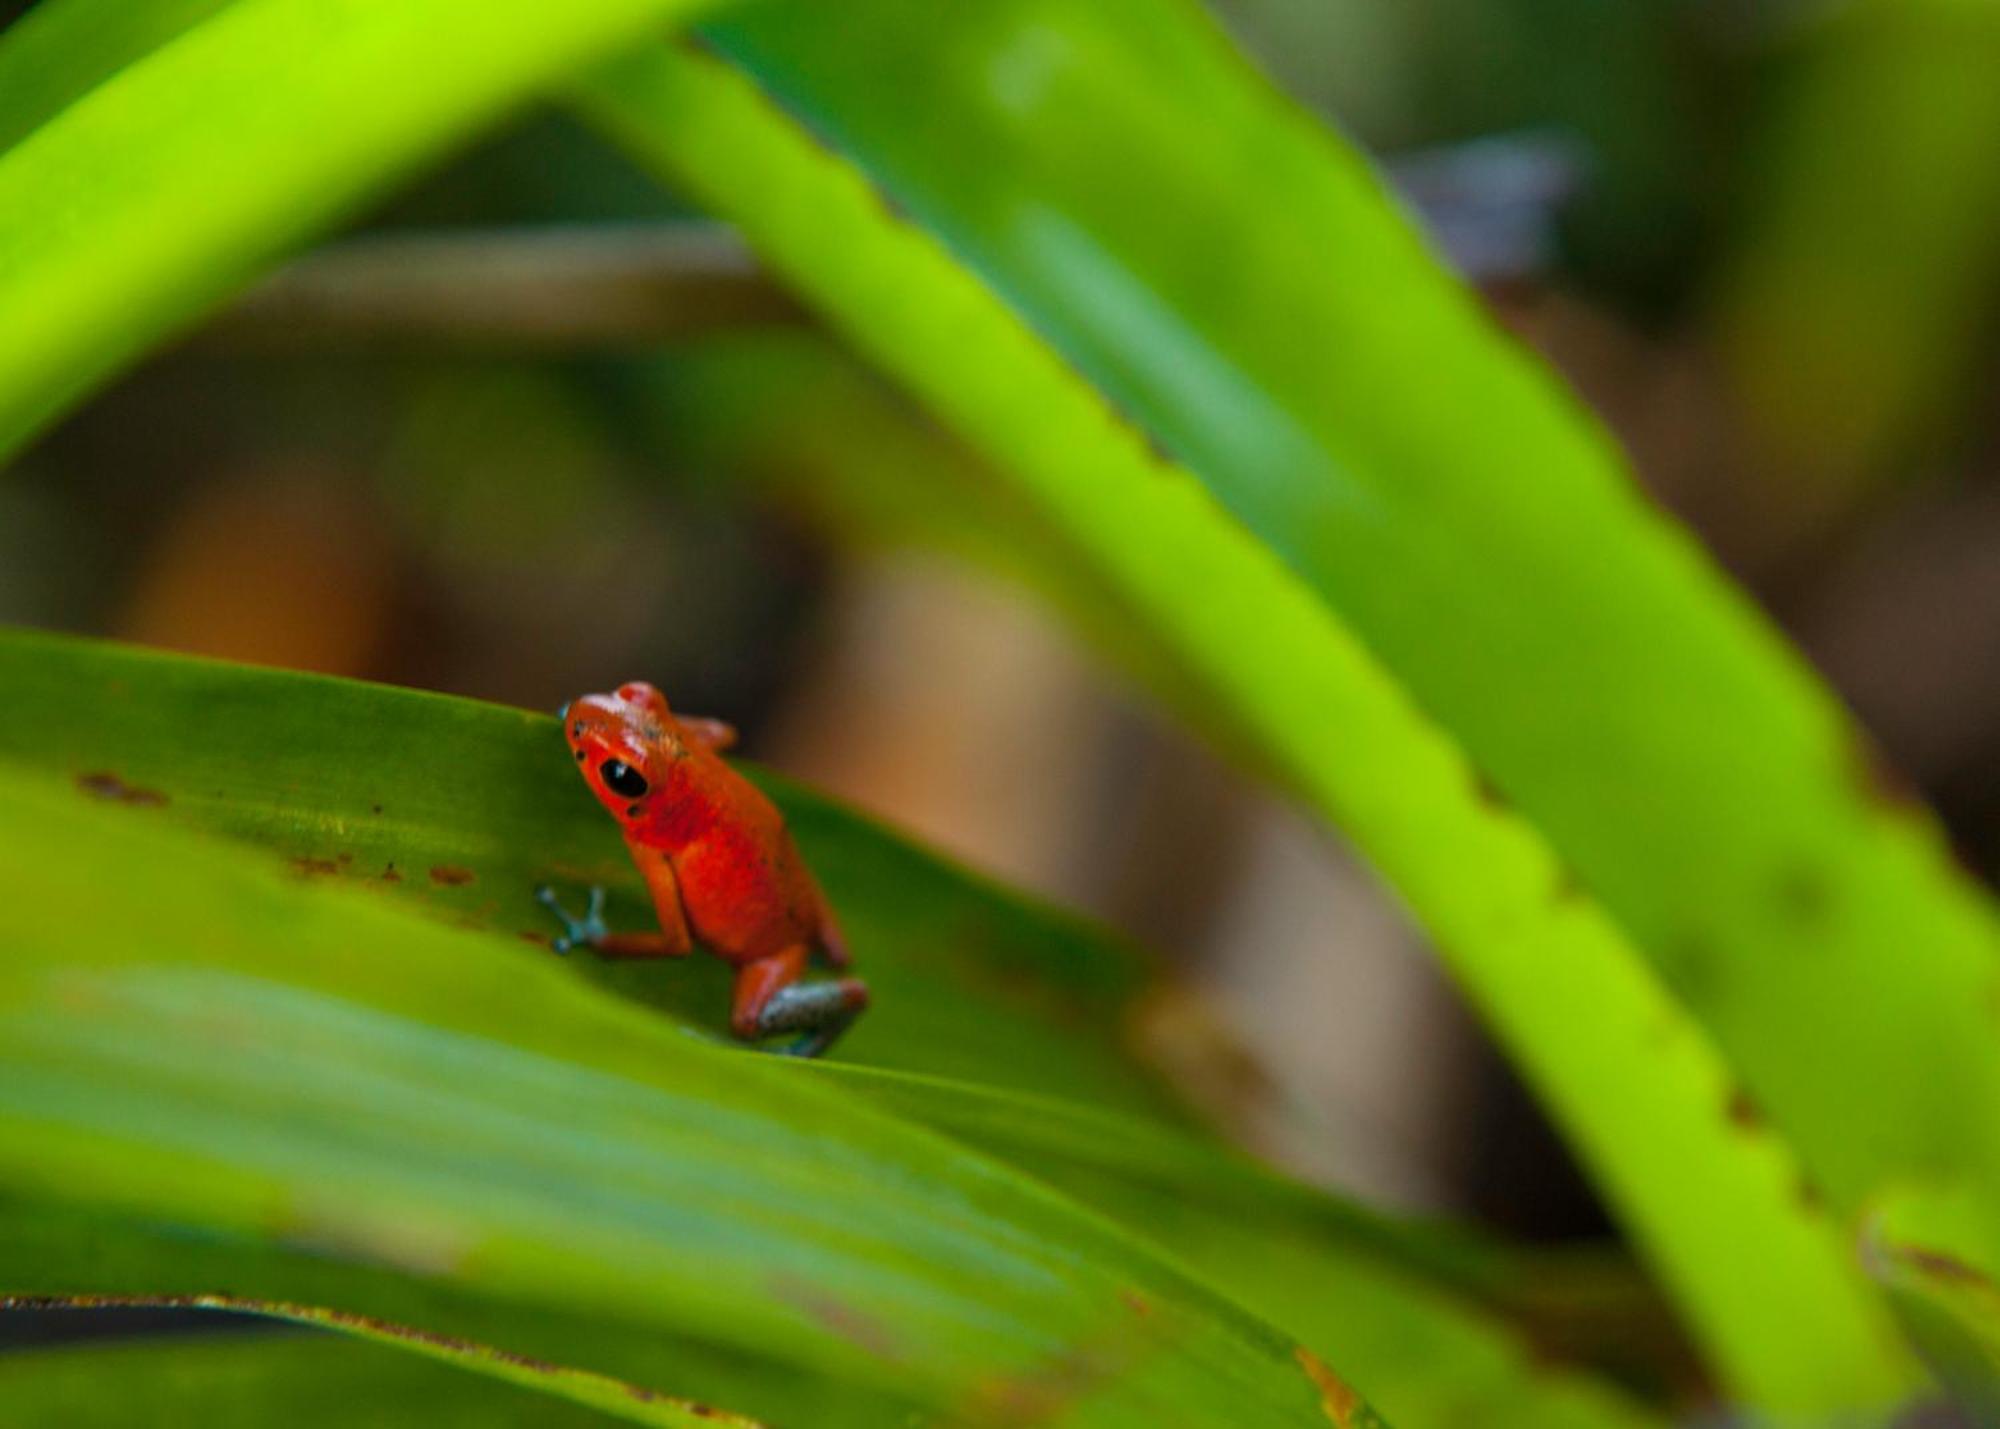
(719, 862)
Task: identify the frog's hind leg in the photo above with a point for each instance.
(830, 941)
(770, 999)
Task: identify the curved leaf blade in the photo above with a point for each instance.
(631, 1402)
(61, 50)
(251, 1382)
(1642, 1092)
(210, 1042)
(1937, 1248)
(253, 126)
(1850, 341)
(269, 757)
(49, 1248)
(1400, 1303)
(1235, 279)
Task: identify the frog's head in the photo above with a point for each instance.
(625, 744)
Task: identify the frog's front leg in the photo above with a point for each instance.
(672, 941)
(770, 999)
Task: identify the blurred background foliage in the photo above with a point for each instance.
(514, 438)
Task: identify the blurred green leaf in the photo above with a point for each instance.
(164, 177)
(59, 52)
(1643, 1094)
(1556, 625)
(1935, 1248)
(1238, 283)
(206, 1040)
(874, 473)
(1865, 275)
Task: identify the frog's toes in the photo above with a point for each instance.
(584, 931)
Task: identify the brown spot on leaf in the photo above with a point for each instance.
(1940, 1266)
(1803, 895)
(891, 206)
(1145, 435)
(1135, 1302)
(1336, 1396)
(1689, 960)
(389, 874)
(540, 940)
(451, 875)
(103, 784)
(1042, 1392)
(852, 1324)
(1744, 1111)
(310, 866)
(1488, 793)
(374, 808)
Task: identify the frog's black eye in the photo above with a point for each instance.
(622, 779)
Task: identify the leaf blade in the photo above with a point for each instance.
(615, 1398)
(244, 130)
(527, 1136)
(350, 782)
(1345, 400)
(252, 1381)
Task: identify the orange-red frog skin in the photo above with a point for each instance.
(719, 861)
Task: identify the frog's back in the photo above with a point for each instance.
(743, 885)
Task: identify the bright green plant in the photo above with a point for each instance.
(265, 976)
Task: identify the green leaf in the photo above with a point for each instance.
(255, 1381)
(1937, 1248)
(1852, 329)
(1235, 280)
(1393, 1298)
(462, 809)
(206, 1040)
(255, 125)
(59, 52)
(625, 1401)
(1427, 1354)
(49, 1248)
(313, 769)
(1641, 1091)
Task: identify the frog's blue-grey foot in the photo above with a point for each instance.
(770, 999)
(584, 932)
(820, 1010)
